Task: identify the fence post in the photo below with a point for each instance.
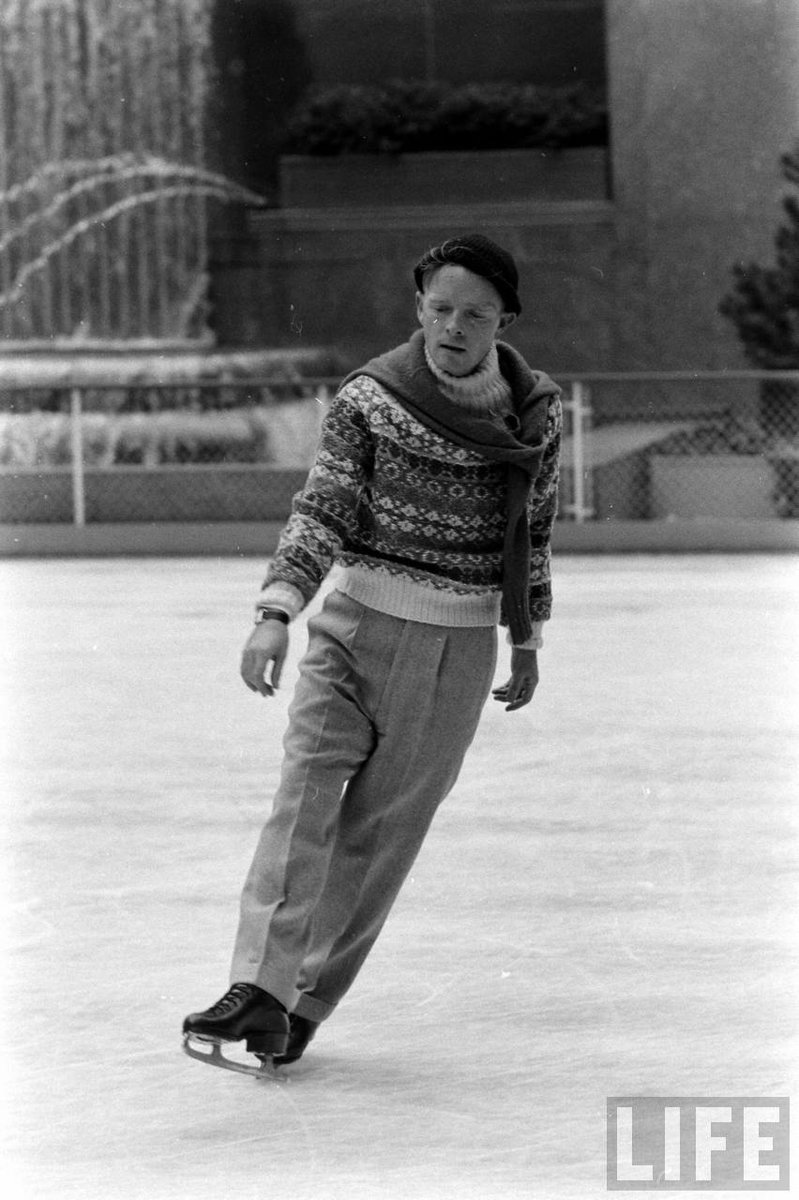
(76, 438)
(579, 404)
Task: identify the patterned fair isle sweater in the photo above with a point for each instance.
(415, 521)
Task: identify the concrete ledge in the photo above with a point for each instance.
(139, 539)
(443, 177)
(698, 535)
(421, 219)
(260, 538)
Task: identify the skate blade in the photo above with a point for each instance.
(214, 1057)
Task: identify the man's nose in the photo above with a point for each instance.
(453, 326)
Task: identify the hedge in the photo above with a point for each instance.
(404, 117)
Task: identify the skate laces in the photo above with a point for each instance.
(239, 991)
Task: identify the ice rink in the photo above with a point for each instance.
(606, 904)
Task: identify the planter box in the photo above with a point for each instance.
(733, 486)
(479, 177)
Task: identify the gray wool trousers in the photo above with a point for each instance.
(382, 715)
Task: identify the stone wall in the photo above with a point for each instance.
(344, 278)
(368, 41)
(704, 97)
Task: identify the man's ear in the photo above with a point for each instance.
(419, 303)
(505, 321)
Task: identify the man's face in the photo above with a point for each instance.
(460, 314)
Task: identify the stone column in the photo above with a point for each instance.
(704, 97)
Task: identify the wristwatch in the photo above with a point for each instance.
(271, 614)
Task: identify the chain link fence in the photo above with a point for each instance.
(637, 447)
(652, 446)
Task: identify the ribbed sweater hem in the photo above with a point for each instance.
(400, 596)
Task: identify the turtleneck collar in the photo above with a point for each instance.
(483, 390)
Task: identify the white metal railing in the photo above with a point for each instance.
(577, 417)
(76, 442)
(593, 448)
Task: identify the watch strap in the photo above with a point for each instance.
(271, 614)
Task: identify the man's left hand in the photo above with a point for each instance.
(520, 688)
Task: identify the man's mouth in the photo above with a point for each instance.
(455, 349)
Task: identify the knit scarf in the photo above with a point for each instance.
(404, 372)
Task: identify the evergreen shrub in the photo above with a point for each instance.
(411, 117)
(763, 303)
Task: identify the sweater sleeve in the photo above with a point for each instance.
(324, 511)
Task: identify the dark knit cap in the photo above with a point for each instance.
(480, 255)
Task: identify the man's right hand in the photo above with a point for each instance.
(268, 643)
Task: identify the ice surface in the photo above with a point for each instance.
(605, 905)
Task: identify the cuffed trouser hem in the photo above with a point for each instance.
(287, 996)
(312, 1009)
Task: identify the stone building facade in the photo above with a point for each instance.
(703, 99)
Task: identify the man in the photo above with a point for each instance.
(434, 489)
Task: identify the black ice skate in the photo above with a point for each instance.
(245, 1013)
(301, 1030)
